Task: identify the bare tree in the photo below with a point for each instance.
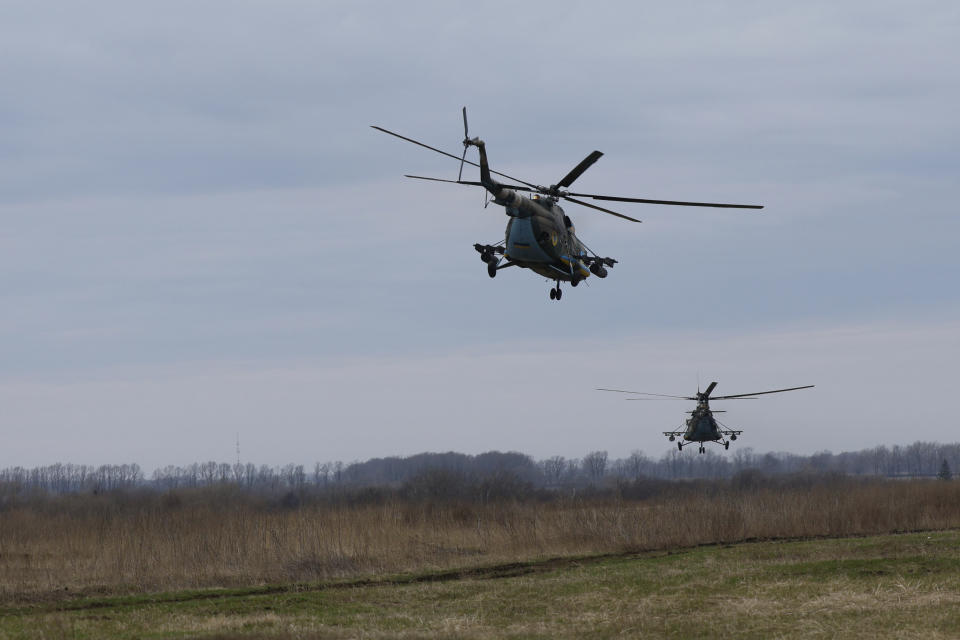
(636, 464)
(595, 465)
(553, 469)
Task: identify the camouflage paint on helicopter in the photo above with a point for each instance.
(539, 243)
(539, 235)
(701, 426)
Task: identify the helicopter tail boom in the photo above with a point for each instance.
(501, 194)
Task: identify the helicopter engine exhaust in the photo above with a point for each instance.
(598, 270)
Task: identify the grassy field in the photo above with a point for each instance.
(128, 544)
(905, 586)
(789, 558)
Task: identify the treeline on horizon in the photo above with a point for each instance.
(497, 474)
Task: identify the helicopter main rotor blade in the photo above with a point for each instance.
(761, 393)
(449, 155)
(426, 146)
(516, 187)
(643, 393)
(579, 169)
(673, 202)
(467, 182)
(710, 389)
(471, 183)
(593, 206)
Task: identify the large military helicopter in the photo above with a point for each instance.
(539, 235)
(701, 425)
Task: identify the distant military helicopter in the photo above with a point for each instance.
(539, 235)
(701, 425)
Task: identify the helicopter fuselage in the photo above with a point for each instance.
(702, 426)
(539, 237)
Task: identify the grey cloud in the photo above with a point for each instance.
(184, 183)
(874, 382)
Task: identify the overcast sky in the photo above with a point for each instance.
(201, 236)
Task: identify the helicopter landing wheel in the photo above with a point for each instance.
(726, 445)
(559, 292)
(492, 269)
(574, 282)
(701, 448)
(680, 446)
(553, 294)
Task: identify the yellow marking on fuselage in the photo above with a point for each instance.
(583, 270)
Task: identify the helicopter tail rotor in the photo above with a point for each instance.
(466, 143)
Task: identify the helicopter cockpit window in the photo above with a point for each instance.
(566, 221)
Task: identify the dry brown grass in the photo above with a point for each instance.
(102, 544)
